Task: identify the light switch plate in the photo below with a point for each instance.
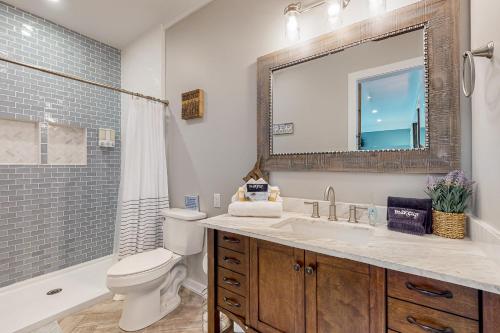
(217, 200)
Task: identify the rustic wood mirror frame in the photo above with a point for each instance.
(440, 19)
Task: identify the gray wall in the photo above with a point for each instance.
(52, 217)
(486, 113)
(216, 49)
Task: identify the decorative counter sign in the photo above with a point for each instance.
(193, 104)
(282, 129)
(257, 192)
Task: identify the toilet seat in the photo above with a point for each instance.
(141, 268)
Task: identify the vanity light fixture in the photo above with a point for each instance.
(293, 11)
(335, 9)
(374, 111)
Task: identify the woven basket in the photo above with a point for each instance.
(449, 225)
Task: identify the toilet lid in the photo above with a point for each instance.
(141, 262)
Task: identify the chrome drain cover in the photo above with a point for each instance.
(54, 291)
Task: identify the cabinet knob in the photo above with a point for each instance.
(297, 267)
(309, 270)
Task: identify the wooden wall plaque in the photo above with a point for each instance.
(193, 104)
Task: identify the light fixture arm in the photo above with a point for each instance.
(298, 7)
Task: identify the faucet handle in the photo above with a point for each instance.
(315, 212)
(353, 213)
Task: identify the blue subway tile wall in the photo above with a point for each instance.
(53, 217)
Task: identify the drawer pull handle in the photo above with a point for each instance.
(445, 294)
(297, 267)
(231, 260)
(427, 328)
(231, 282)
(232, 303)
(231, 240)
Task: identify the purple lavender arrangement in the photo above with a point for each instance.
(450, 194)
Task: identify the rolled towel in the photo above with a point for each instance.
(256, 208)
(412, 203)
(410, 221)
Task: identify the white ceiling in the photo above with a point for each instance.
(114, 22)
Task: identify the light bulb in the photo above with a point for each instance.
(292, 26)
(378, 7)
(335, 8)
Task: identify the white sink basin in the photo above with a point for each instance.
(344, 232)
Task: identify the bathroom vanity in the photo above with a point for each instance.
(271, 275)
(317, 111)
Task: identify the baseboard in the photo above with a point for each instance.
(195, 286)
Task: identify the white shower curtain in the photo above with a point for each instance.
(143, 188)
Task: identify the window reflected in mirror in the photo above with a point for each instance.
(392, 109)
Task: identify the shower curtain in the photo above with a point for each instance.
(143, 187)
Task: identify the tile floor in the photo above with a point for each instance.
(103, 318)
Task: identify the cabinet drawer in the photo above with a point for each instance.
(232, 281)
(406, 317)
(232, 260)
(439, 295)
(231, 241)
(231, 302)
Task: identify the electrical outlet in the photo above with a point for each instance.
(217, 200)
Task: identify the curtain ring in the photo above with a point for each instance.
(469, 57)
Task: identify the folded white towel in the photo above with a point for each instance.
(256, 208)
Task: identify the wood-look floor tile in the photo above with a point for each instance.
(104, 317)
(68, 324)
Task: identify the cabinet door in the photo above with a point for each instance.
(276, 288)
(343, 296)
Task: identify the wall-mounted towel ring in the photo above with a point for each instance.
(468, 58)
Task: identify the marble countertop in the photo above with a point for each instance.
(463, 262)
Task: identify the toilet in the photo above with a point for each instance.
(150, 281)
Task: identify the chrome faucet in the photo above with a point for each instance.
(330, 196)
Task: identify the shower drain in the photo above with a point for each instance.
(54, 291)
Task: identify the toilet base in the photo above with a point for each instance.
(153, 302)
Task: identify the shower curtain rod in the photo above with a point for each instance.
(76, 78)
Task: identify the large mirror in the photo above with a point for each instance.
(379, 95)
(368, 97)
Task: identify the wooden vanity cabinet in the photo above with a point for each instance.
(343, 296)
(270, 288)
(276, 288)
(297, 291)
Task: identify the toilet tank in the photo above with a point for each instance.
(181, 233)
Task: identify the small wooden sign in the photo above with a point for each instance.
(193, 104)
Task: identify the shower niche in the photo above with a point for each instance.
(25, 142)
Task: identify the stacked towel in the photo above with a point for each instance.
(256, 208)
(410, 221)
(411, 203)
